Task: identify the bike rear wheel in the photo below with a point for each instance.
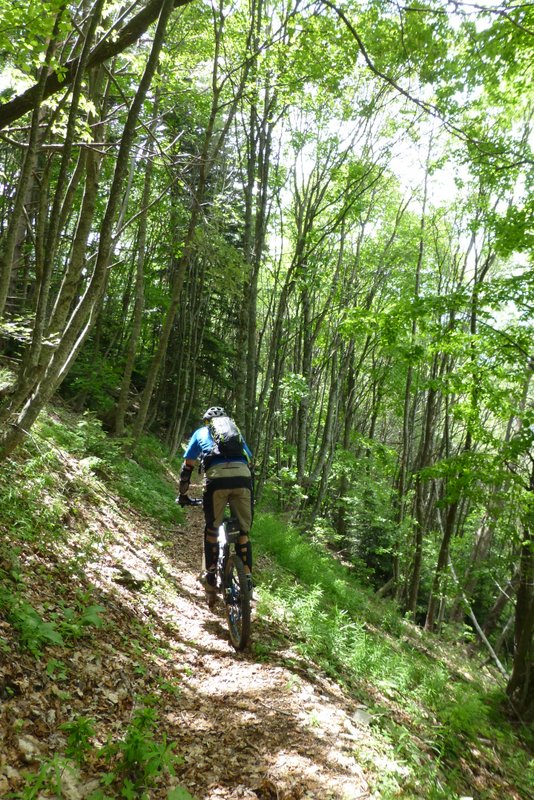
(237, 602)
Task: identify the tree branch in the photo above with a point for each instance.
(477, 627)
(20, 105)
(428, 108)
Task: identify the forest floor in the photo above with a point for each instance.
(244, 728)
(116, 680)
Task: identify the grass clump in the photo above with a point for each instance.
(147, 490)
(142, 481)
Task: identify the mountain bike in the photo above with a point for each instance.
(234, 585)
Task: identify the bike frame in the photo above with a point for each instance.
(232, 584)
(227, 535)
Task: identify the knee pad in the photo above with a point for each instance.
(244, 550)
(211, 549)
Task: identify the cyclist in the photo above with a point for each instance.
(228, 479)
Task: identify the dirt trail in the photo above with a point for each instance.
(251, 729)
(247, 727)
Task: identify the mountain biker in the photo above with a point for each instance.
(228, 479)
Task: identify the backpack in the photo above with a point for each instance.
(227, 438)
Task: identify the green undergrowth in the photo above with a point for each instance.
(67, 463)
(438, 717)
(141, 480)
(49, 610)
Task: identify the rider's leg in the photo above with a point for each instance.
(243, 549)
(241, 506)
(211, 536)
(214, 502)
(211, 554)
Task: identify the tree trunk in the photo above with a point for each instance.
(82, 318)
(10, 238)
(32, 369)
(520, 688)
(139, 291)
(423, 460)
(505, 596)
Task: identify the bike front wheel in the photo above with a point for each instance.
(237, 602)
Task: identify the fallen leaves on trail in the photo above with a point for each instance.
(244, 730)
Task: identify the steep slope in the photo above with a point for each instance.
(117, 681)
(136, 633)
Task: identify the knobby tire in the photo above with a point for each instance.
(237, 602)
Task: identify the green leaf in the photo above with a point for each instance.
(91, 616)
(178, 793)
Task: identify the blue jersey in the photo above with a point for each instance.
(201, 446)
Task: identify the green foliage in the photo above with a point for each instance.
(178, 793)
(56, 669)
(148, 491)
(283, 491)
(48, 777)
(515, 229)
(79, 732)
(294, 551)
(217, 358)
(372, 534)
(143, 482)
(34, 632)
(83, 436)
(138, 758)
(29, 508)
(350, 259)
(464, 720)
(331, 621)
(73, 622)
(92, 381)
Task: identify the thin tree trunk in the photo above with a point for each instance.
(10, 238)
(139, 290)
(137, 316)
(82, 318)
(405, 454)
(31, 369)
(520, 688)
(427, 438)
(504, 597)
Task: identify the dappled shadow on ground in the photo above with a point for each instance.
(246, 727)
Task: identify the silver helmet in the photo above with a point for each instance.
(214, 411)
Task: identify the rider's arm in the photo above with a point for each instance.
(248, 453)
(190, 457)
(185, 475)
